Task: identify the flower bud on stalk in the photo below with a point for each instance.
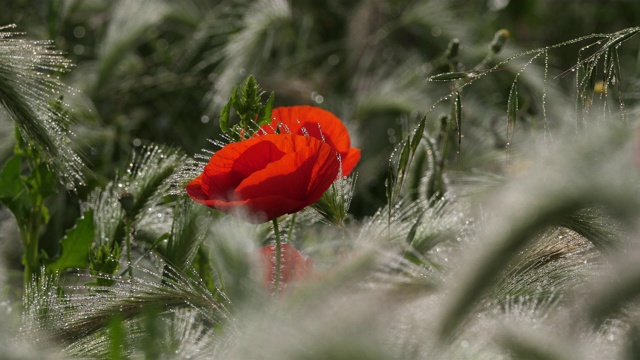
(499, 39)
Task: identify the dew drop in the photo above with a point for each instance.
(79, 32)
(333, 59)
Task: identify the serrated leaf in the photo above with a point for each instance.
(47, 182)
(75, 245)
(224, 116)
(10, 182)
(104, 260)
(13, 190)
(250, 91)
(265, 114)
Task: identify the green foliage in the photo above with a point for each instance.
(24, 195)
(27, 87)
(75, 246)
(333, 206)
(104, 259)
(186, 234)
(117, 338)
(247, 103)
(123, 207)
(13, 190)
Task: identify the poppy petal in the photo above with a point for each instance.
(318, 123)
(195, 189)
(312, 167)
(268, 176)
(350, 161)
(231, 164)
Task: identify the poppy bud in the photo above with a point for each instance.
(499, 39)
(293, 265)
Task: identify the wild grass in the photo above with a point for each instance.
(493, 215)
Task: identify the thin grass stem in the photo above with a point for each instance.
(276, 231)
(290, 233)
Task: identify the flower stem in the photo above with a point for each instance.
(276, 231)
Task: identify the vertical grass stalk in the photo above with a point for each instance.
(276, 231)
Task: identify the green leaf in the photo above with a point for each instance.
(419, 167)
(13, 190)
(250, 91)
(47, 181)
(224, 116)
(104, 260)
(414, 229)
(246, 100)
(435, 177)
(449, 76)
(389, 185)
(626, 35)
(117, 337)
(265, 114)
(249, 105)
(512, 105)
(76, 245)
(404, 159)
(415, 141)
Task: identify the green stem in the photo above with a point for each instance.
(290, 234)
(30, 257)
(276, 231)
(30, 235)
(127, 238)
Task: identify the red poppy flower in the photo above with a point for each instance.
(293, 265)
(266, 176)
(317, 123)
